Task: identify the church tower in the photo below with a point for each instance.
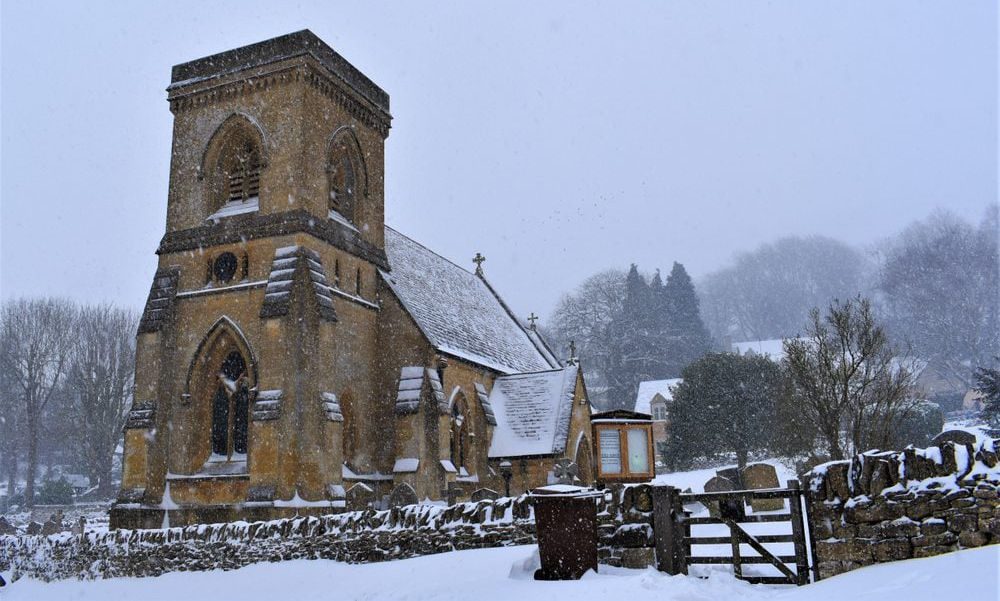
(256, 350)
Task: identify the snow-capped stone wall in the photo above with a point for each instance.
(887, 506)
(624, 523)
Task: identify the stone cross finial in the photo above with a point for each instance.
(532, 319)
(479, 260)
(566, 471)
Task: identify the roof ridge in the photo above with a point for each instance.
(516, 320)
(535, 373)
(430, 250)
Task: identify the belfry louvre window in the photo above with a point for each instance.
(243, 172)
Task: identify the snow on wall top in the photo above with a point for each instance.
(277, 49)
(651, 388)
(457, 311)
(533, 412)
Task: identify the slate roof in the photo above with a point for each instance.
(649, 389)
(533, 412)
(457, 311)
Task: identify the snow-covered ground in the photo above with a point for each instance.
(504, 573)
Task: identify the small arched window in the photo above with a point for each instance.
(460, 427)
(230, 408)
(346, 177)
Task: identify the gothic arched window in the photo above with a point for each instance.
(346, 176)
(232, 164)
(230, 408)
(460, 426)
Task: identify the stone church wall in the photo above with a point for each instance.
(624, 524)
(887, 506)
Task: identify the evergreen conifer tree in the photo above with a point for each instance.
(633, 358)
(685, 337)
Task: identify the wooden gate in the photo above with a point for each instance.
(674, 542)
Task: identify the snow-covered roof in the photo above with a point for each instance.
(457, 310)
(772, 349)
(533, 412)
(649, 389)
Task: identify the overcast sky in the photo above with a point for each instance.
(557, 141)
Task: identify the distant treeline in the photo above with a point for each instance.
(936, 286)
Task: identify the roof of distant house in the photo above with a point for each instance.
(772, 349)
(458, 312)
(648, 391)
(532, 412)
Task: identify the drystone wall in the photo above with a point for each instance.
(624, 515)
(887, 506)
(625, 527)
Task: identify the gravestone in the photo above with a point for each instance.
(453, 492)
(757, 476)
(34, 528)
(959, 437)
(565, 471)
(6, 527)
(717, 484)
(402, 495)
(79, 527)
(733, 475)
(51, 527)
(360, 497)
(484, 494)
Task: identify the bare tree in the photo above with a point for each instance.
(584, 317)
(848, 379)
(100, 381)
(10, 432)
(767, 293)
(940, 284)
(35, 338)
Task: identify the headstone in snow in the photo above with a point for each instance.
(80, 526)
(717, 484)
(733, 475)
(402, 495)
(960, 437)
(758, 476)
(6, 527)
(453, 492)
(484, 494)
(360, 497)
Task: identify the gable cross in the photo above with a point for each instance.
(479, 260)
(532, 319)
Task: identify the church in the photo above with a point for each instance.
(296, 355)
